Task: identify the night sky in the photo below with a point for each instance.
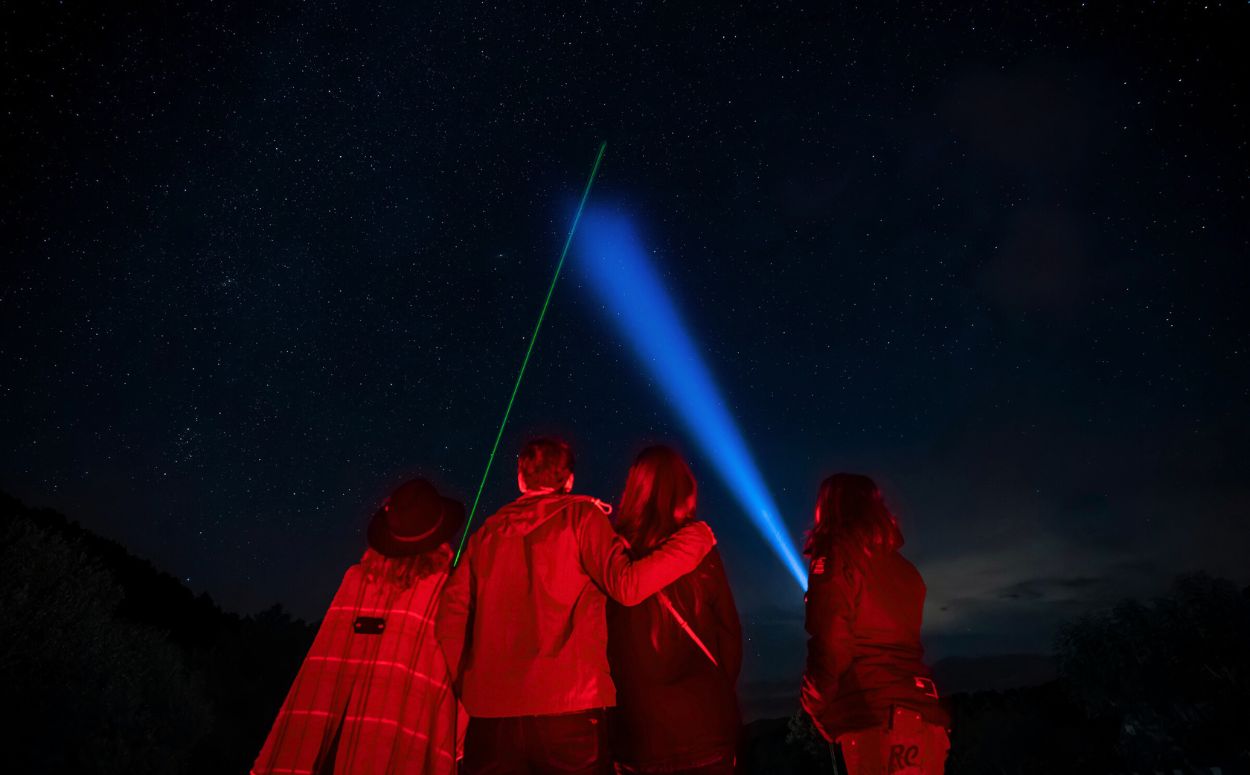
(264, 261)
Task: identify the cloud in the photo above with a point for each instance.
(1051, 588)
(1030, 573)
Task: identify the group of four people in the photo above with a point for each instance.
(568, 642)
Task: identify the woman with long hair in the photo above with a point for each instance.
(374, 694)
(675, 658)
(866, 686)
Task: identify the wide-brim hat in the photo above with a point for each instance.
(413, 520)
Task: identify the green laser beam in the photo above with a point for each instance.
(528, 350)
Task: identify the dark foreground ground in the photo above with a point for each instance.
(115, 667)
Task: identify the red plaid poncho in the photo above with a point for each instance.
(369, 702)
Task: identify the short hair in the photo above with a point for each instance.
(545, 462)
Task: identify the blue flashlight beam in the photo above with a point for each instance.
(612, 258)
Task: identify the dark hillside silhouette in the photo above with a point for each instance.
(114, 666)
(84, 685)
(1172, 675)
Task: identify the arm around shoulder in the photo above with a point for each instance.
(605, 557)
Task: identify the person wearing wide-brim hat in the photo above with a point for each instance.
(374, 693)
(414, 520)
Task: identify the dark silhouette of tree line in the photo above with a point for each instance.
(1169, 679)
(108, 665)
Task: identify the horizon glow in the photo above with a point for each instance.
(610, 255)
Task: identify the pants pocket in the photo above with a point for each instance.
(573, 743)
(908, 748)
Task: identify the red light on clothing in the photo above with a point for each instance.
(927, 686)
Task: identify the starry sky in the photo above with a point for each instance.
(264, 261)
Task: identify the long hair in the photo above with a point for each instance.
(659, 483)
(403, 572)
(852, 519)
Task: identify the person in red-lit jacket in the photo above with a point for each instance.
(374, 694)
(866, 686)
(522, 621)
(675, 658)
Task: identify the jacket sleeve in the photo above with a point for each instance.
(832, 594)
(454, 620)
(605, 557)
(728, 626)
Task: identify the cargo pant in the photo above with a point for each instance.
(906, 745)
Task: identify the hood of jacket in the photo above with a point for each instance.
(532, 510)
